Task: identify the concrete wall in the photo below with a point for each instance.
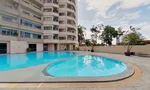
(50, 47)
(62, 47)
(117, 49)
(39, 47)
(18, 47)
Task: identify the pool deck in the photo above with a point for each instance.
(137, 83)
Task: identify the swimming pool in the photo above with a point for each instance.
(17, 61)
(86, 66)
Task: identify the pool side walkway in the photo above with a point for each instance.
(140, 83)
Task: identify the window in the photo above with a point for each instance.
(45, 37)
(25, 34)
(37, 26)
(8, 32)
(48, 19)
(48, 28)
(62, 38)
(55, 19)
(55, 27)
(37, 36)
(27, 13)
(61, 6)
(27, 2)
(26, 23)
(30, 24)
(62, 14)
(55, 37)
(48, 37)
(48, 10)
(38, 17)
(47, 1)
(9, 19)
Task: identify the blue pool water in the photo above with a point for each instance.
(86, 66)
(16, 61)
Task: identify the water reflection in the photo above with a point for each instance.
(9, 62)
(87, 66)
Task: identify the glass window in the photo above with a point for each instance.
(37, 36)
(27, 35)
(48, 19)
(27, 13)
(48, 10)
(48, 28)
(29, 24)
(9, 19)
(47, 1)
(8, 32)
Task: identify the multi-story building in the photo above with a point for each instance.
(60, 23)
(31, 23)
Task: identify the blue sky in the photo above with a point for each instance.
(117, 13)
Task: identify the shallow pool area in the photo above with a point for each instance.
(86, 66)
(18, 61)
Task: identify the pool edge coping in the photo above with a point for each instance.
(124, 75)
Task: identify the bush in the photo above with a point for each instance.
(29, 50)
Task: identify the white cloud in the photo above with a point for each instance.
(102, 6)
(88, 34)
(122, 14)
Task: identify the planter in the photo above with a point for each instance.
(92, 50)
(127, 54)
(132, 53)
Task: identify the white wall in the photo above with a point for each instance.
(18, 47)
(39, 47)
(118, 49)
(62, 47)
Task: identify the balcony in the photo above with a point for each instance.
(71, 7)
(51, 38)
(31, 40)
(9, 10)
(8, 38)
(30, 6)
(67, 41)
(55, 2)
(9, 24)
(40, 2)
(32, 18)
(31, 29)
(49, 32)
(73, 1)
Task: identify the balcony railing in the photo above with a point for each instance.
(73, 1)
(55, 1)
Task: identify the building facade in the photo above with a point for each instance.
(36, 24)
(60, 23)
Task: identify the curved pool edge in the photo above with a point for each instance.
(126, 74)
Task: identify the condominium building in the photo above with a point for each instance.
(37, 24)
(60, 23)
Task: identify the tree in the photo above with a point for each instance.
(88, 42)
(108, 34)
(132, 38)
(120, 33)
(81, 33)
(95, 36)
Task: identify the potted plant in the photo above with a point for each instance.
(131, 39)
(92, 50)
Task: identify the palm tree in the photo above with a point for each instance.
(81, 34)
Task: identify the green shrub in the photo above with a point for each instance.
(29, 49)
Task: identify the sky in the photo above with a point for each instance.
(117, 13)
